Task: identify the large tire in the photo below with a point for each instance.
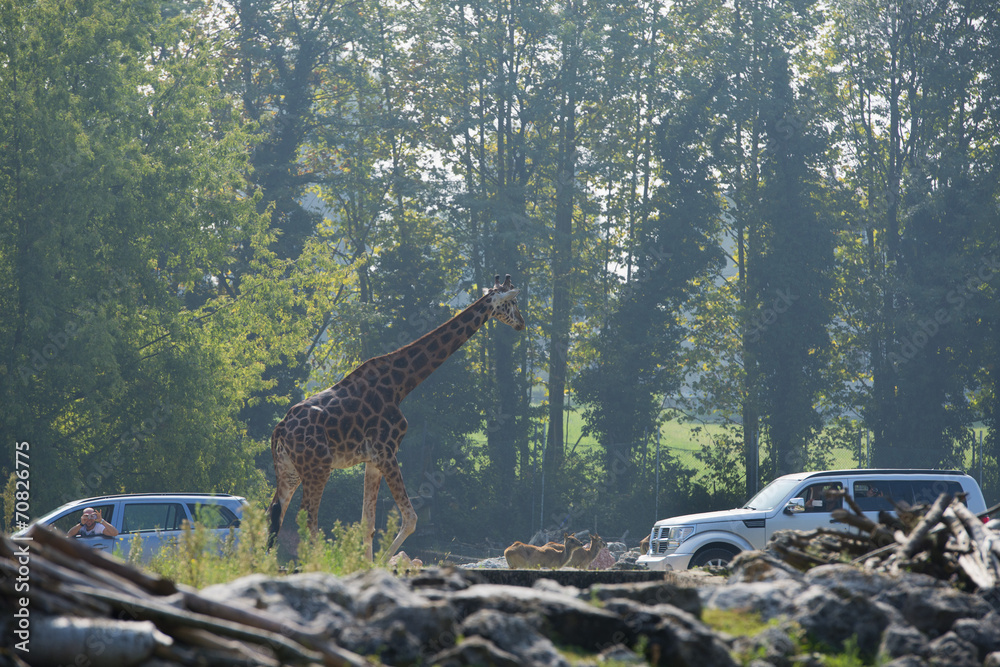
(712, 557)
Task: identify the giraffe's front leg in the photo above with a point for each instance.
(394, 480)
(373, 477)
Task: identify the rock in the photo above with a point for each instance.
(772, 646)
(930, 605)
(649, 593)
(603, 560)
(474, 651)
(950, 650)
(983, 634)
(751, 566)
(673, 637)
(992, 660)
(832, 620)
(514, 634)
(496, 563)
(616, 549)
(907, 661)
(899, 640)
(320, 602)
(846, 580)
(570, 621)
(620, 655)
(770, 599)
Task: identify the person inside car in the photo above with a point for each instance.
(92, 523)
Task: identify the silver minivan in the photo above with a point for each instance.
(156, 518)
(798, 501)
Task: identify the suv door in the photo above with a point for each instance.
(818, 508)
(155, 523)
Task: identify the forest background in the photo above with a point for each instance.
(774, 219)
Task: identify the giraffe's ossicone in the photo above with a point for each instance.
(358, 420)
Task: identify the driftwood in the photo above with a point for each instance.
(77, 593)
(945, 540)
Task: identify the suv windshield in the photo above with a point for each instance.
(771, 495)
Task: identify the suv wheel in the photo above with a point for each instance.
(713, 557)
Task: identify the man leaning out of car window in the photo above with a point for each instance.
(92, 523)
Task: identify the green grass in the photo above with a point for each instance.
(196, 559)
(740, 623)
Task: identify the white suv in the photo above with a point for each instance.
(156, 518)
(797, 502)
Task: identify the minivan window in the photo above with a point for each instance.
(145, 517)
(67, 521)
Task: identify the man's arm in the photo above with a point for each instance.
(109, 530)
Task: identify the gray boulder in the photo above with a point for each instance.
(950, 650)
(515, 634)
(901, 640)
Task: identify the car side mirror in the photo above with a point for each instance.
(795, 505)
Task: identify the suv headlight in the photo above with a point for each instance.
(677, 534)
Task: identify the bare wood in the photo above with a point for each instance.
(315, 641)
(171, 617)
(51, 537)
(918, 535)
(238, 652)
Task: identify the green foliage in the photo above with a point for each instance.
(198, 559)
(206, 212)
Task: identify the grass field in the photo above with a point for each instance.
(680, 440)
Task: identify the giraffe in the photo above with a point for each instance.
(358, 420)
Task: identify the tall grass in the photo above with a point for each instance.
(198, 559)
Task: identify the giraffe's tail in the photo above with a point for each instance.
(274, 510)
(274, 524)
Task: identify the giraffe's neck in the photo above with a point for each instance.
(412, 364)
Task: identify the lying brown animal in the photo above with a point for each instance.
(520, 555)
(583, 557)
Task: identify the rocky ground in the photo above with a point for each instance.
(449, 617)
(919, 595)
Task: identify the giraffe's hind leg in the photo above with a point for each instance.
(313, 483)
(288, 481)
(373, 477)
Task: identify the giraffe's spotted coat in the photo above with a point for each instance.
(358, 419)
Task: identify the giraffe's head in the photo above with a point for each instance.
(503, 303)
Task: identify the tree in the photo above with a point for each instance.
(790, 278)
(917, 128)
(122, 196)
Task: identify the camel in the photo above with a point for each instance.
(520, 555)
(584, 557)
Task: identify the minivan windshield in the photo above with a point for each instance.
(772, 494)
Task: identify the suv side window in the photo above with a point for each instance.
(816, 497)
(928, 490)
(873, 495)
(148, 517)
(213, 516)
